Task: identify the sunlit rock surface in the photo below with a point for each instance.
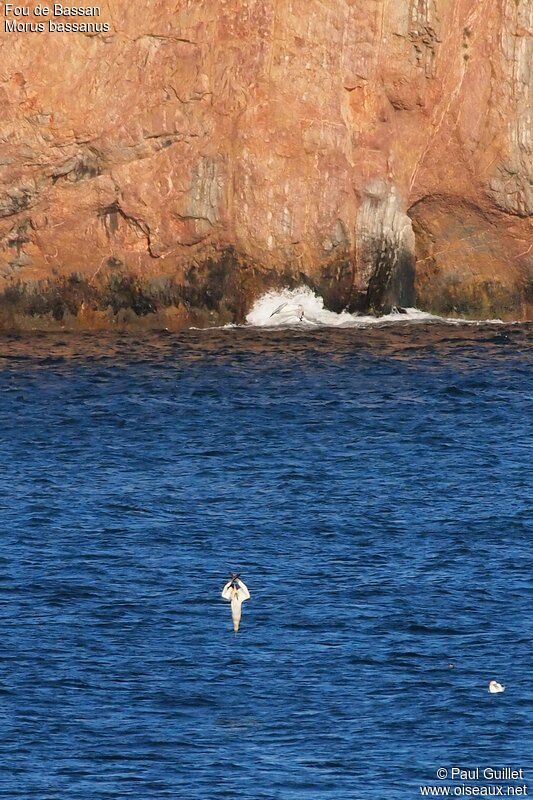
(168, 172)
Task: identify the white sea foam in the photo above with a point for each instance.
(283, 308)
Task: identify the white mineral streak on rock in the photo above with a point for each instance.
(511, 185)
(384, 231)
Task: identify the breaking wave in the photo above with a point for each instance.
(302, 306)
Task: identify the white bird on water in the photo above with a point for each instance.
(236, 592)
(495, 687)
(299, 311)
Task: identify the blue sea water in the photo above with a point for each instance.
(373, 487)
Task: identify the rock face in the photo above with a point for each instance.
(168, 171)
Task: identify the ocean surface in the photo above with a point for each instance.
(373, 486)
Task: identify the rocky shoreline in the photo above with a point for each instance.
(174, 168)
(222, 290)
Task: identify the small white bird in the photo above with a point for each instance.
(236, 592)
(495, 687)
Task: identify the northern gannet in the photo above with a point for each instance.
(495, 687)
(300, 311)
(236, 592)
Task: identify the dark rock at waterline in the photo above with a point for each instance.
(219, 290)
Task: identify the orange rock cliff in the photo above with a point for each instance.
(170, 169)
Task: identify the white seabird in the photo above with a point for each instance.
(495, 687)
(298, 311)
(236, 592)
